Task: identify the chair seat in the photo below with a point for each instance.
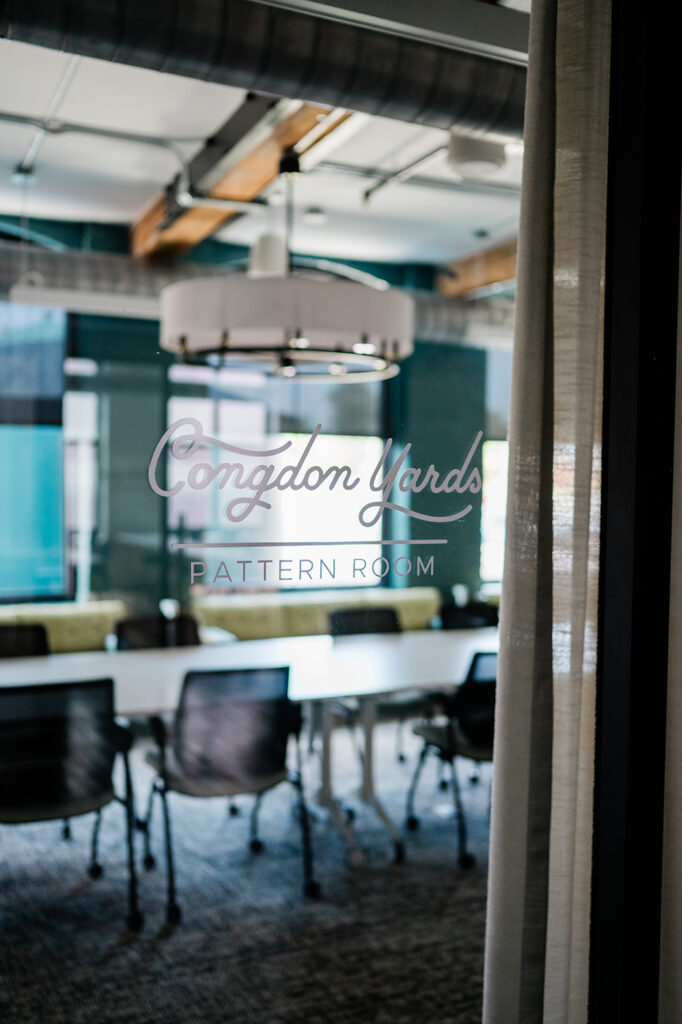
(210, 785)
(54, 812)
(451, 741)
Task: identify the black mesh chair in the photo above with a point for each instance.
(229, 736)
(468, 732)
(27, 640)
(58, 744)
(399, 707)
(23, 640)
(474, 615)
(346, 621)
(149, 631)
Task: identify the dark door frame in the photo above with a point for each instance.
(641, 314)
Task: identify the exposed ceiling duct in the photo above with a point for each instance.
(118, 285)
(269, 50)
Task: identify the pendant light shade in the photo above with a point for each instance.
(315, 329)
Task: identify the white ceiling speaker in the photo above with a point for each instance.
(473, 157)
(293, 326)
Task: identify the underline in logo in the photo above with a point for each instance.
(301, 543)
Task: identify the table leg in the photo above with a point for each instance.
(367, 792)
(325, 796)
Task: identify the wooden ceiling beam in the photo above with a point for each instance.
(491, 266)
(166, 229)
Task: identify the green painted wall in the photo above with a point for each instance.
(438, 404)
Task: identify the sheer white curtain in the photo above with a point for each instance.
(539, 885)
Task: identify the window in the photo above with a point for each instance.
(31, 496)
(295, 517)
(493, 511)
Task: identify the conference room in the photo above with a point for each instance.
(256, 359)
(339, 668)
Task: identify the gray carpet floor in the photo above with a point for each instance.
(385, 943)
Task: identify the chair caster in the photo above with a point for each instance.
(173, 914)
(66, 831)
(233, 811)
(95, 871)
(311, 890)
(398, 852)
(256, 846)
(412, 823)
(443, 784)
(140, 825)
(466, 860)
(149, 862)
(135, 921)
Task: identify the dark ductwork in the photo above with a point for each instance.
(269, 50)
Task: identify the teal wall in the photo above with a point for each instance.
(438, 405)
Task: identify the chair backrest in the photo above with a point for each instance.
(23, 640)
(475, 615)
(57, 744)
(475, 700)
(234, 723)
(345, 621)
(156, 631)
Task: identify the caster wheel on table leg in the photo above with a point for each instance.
(412, 823)
(398, 852)
(312, 890)
(256, 846)
(467, 860)
(149, 862)
(95, 871)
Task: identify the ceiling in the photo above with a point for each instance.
(433, 218)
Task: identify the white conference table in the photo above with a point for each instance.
(365, 667)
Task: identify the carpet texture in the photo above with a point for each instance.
(385, 943)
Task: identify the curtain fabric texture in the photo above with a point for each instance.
(537, 940)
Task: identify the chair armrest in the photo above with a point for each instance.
(123, 736)
(294, 718)
(159, 731)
